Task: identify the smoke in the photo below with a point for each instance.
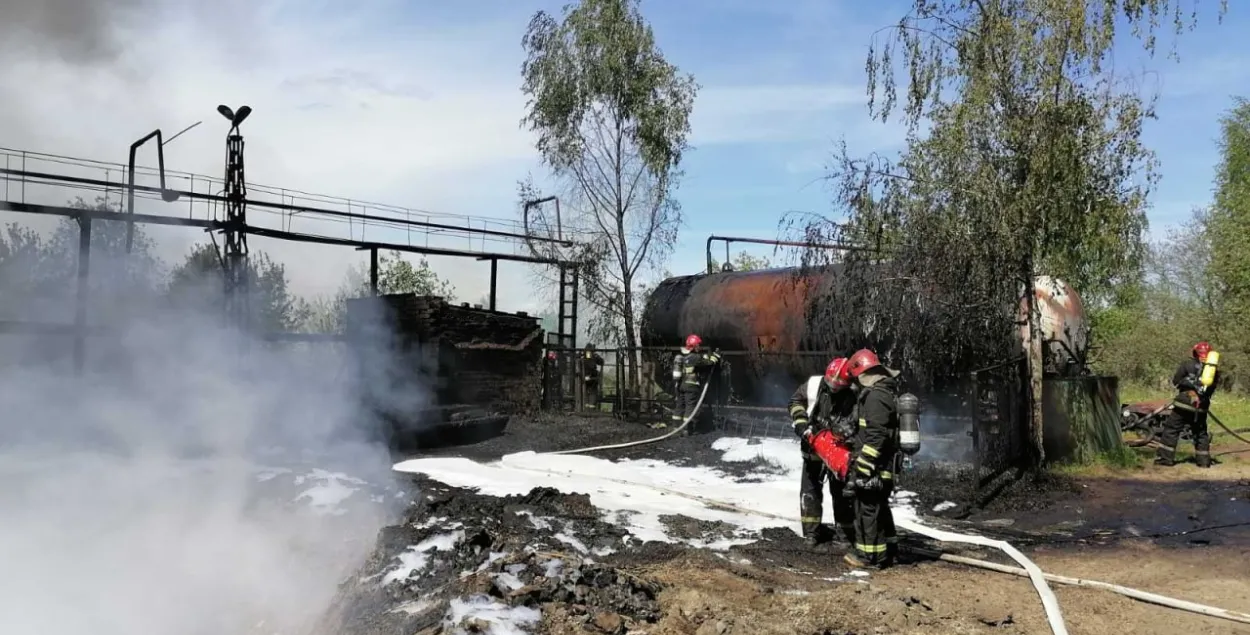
(77, 31)
(945, 426)
(193, 480)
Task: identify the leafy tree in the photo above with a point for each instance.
(274, 308)
(1227, 228)
(744, 261)
(395, 275)
(612, 118)
(38, 274)
(1032, 164)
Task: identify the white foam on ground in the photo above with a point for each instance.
(627, 491)
(500, 618)
(415, 559)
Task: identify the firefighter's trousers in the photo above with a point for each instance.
(876, 540)
(1178, 420)
(811, 499)
(687, 398)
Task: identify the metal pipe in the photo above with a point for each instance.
(80, 299)
(775, 243)
(166, 195)
(152, 219)
(200, 196)
(373, 271)
(77, 212)
(494, 282)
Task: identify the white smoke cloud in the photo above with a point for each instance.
(192, 480)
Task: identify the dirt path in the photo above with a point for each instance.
(705, 594)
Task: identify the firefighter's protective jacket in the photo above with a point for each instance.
(815, 404)
(692, 368)
(878, 428)
(592, 366)
(1187, 385)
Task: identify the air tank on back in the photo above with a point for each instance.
(778, 326)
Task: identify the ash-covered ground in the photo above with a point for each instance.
(502, 540)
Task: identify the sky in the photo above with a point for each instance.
(417, 104)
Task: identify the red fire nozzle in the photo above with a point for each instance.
(833, 451)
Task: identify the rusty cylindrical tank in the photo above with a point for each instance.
(785, 324)
(765, 313)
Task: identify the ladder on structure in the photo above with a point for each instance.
(566, 329)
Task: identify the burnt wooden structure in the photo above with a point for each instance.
(453, 354)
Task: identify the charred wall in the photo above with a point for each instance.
(460, 354)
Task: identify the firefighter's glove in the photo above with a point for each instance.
(803, 428)
(849, 488)
(869, 484)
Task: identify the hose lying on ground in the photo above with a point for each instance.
(1049, 602)
(1152, 598)
(673, 433)
(1226, 428)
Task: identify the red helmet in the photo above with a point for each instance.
(1200, 351)
(836, 374)
(693, 341)
(862, 360)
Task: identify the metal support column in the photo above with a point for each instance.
(80, 301)
(373, 271)
(237, 277)
(494, 283)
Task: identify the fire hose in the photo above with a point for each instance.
(1211, 415)
(1053, 616)
(673, 433)
(1050, 603)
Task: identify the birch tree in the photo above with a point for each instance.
(611, 118)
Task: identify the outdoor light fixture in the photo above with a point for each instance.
(235, 117)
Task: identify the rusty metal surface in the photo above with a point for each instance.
(764, 321)
(1062, 322)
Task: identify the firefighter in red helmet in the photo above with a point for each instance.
(823, 402)
(1189, 410)
(692, 369)
(871, 479)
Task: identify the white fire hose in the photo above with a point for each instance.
(618, 446)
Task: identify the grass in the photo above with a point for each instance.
(1232, 409)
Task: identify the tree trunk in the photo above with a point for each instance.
(1033, 363)
(631, 337)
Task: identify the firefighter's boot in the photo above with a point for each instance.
(1165, 456)
(1202, 459)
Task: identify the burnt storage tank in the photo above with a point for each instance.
(762, 320)
(779, 326)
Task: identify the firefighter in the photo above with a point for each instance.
(592, 374)
(692, 368)
(823, 403)
(871, 479)
(551, 381)
(1189, 410)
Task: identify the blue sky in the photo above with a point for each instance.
(807, 58)
(417, 104)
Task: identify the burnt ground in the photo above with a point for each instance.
(552, 551)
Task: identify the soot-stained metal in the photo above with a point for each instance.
(781, 325)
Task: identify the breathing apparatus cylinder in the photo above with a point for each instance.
(908, 423)
(1208, 369)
